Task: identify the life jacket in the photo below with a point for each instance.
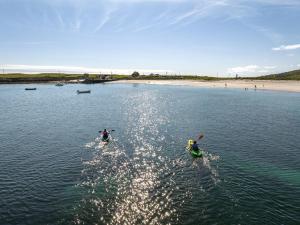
(195, 147)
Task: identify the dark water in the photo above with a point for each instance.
(54, 170)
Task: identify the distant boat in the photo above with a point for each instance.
(59, 84)
(83, 92)
(30, 89)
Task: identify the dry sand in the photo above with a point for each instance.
(290, 86)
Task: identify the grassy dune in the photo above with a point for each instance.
(48, 77)
(42, 77)
(291, 75)
(150, 77)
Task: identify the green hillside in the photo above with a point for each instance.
(292, 75)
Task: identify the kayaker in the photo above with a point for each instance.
(105, 135)
(195, 146)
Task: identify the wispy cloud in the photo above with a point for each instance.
(270, 34)
(28, 43)
(107, 15)
(201, 9)
(76, 69)
(286, 47)
(251, 69)
(76, 25)
(243, 69)
(279, 2)
(291, 55)
(270, 67)
(227, 9)
(268, 2)
(93, 15)
(59, 19)
(143, 1)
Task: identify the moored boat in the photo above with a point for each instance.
(30, 89)
(83, 92)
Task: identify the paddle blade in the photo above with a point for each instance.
(200, 136)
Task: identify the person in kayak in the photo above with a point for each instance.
(195, 146)
(105, 135)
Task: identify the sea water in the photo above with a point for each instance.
(55, 170)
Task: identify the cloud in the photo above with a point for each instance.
(270, 67)
(92, 15)
(27, 42)
(147, 1)
(243, 69)
(267, 32)
(286, 47)
(177, 11)
(76, 25)
(251, 70)
(266, 2)
(291, 54)
(203, 9)
(279, 2)
(76, 69)
(105, 19)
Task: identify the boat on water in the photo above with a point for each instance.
(83, 92)
(30, 89)
(59, 84)
(194, 154)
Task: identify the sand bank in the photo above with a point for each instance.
(290, 86)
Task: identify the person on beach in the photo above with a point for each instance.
(195, 146)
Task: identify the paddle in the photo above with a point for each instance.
(100, 131)
(200, 136)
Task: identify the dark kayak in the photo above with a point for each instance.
(105, 139)
(83, 92)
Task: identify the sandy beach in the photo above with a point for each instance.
(289, 86)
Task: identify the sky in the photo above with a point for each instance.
(195, 37)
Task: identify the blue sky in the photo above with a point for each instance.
(221, 37)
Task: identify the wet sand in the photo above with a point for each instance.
(289, 86)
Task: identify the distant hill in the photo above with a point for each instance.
(292, 75)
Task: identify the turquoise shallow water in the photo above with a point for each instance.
(54, 169)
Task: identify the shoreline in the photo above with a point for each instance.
(267, 85)
(73, 81)
(270, 85)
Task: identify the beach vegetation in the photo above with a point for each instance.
(291, 75)
(135, 74)
(49, 77)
